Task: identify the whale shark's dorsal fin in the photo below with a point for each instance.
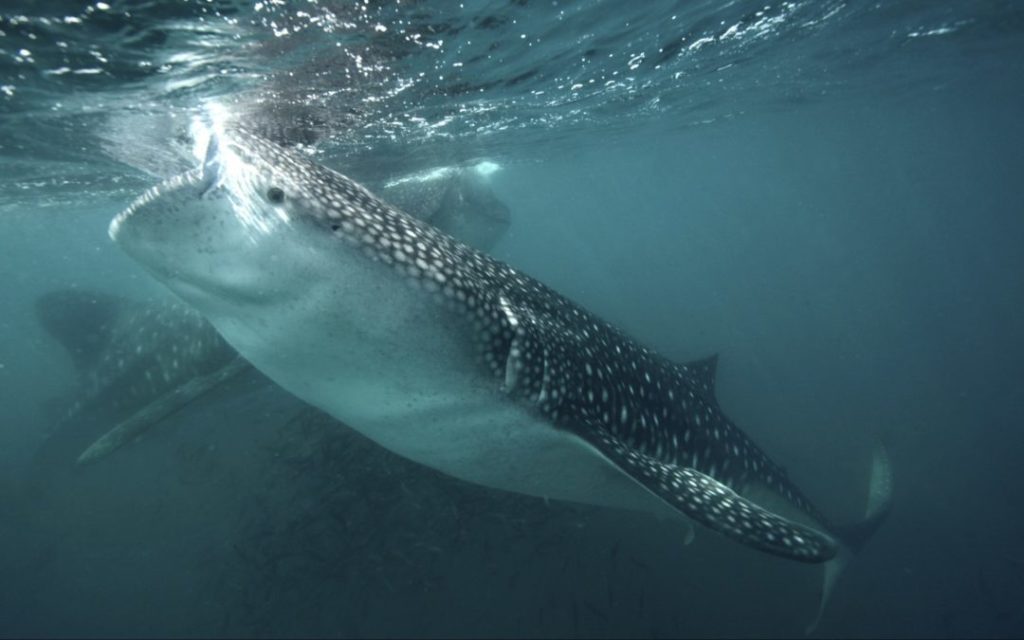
(81, 321)
(703, 372)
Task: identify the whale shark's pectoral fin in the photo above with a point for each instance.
(715, 505)
(167, 404)
(538, 365)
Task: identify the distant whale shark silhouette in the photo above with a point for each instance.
(137, 364)
(456, 360)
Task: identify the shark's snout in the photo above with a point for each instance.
(157, 199)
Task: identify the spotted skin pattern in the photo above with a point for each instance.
(656, 420)
(138, 353)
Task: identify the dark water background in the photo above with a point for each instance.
(829, 196)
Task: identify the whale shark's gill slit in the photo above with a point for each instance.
(545, 380)
(526, 366)
(513, 365)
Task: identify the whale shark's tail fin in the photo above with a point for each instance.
(854, 536)
(879, 502)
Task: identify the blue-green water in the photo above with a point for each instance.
(826, 194)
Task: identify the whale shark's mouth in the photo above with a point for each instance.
(192, 179)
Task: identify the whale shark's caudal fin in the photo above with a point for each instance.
(854, 536)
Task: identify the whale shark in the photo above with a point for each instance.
(136, 364)
(456, 360)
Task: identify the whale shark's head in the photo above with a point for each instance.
(224, 229)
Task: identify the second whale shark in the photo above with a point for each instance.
(456, 360)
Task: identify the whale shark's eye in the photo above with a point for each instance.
(275, 195)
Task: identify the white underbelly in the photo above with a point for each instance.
(392, 363)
